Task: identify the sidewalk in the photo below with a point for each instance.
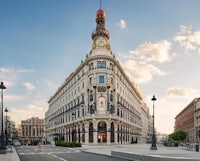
(142, 152)
(10, 155)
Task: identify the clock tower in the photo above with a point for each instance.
(100, 36)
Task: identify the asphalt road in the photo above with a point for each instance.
(50, 153)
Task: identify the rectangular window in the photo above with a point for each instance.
(101, 79)
(98, 64)
(82, 101)
(91, 66)
(103, 64)
(82, 111)
(111, 66)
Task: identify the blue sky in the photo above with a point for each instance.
(43, 41)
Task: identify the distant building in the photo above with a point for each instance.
(188, 120)
(9, 127)
(197, 118)
(18, 132)
(32, 131)
(147, 124)
(162, 137)
(98, 103)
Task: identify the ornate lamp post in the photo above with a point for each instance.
(6, 130)
(55, 138)
(73, 131)
(2, 146)
(153, 145)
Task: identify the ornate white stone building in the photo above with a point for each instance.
(98, 103)
(32, 131)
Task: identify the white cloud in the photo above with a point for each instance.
(141, 72)
(122, 24)
(188, 39)
(137, 62)
(158, 52)
(10, 97)
(31, 110)
(51, 85)
(11, 76)
(29, 86)
(177, 91)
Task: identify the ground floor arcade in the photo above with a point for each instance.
(96, 131)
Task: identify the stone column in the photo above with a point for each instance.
(65, 133)
(95, 133)
(116, 133)
(108, 132)
(95, 137)
(87, 133)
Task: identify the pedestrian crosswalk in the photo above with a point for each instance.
(31, 150)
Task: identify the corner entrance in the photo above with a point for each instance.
(102, 132)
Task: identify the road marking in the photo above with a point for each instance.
(57, 157)
(35, 153)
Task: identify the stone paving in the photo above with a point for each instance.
(173, 153)
(11, 155)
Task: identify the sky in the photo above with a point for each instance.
(157, 43)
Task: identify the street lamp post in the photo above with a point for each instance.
(6, 130)
(153, 145)
(55, 138)
(73, 131)
(2, 146)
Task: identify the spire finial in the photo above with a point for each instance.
(100, 4)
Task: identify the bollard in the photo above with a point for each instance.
(197, 147)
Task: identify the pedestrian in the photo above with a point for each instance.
(39, 145)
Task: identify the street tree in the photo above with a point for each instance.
(178, 136)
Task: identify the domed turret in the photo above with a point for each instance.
(100, 25)
(100, 13)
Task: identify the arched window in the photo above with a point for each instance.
(90, 80)
(111, 96)
(91, 95)
(118, 111)
(112, 132)
(91, 132)
(92, 108)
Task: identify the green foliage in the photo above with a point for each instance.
(178, 136)
(165, 143)
(61, 138)
(68, 144)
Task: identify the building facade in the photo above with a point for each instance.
(32, 131)
(188, 120)
(197, 118)
(9, 128)
(98, 103)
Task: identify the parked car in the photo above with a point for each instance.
(17, 143)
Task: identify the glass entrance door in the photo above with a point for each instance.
(102, 137)
(102, 132)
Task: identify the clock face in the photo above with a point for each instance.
(101, 42)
